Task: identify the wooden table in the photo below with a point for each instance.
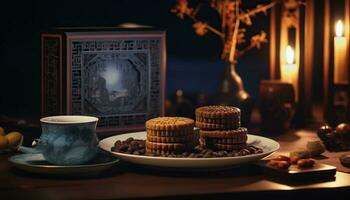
(128, 181)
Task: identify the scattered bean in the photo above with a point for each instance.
(305, 163)
(137, 147)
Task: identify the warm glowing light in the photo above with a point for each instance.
(112, 77)
(339, 28)
(289, 55)
(341, 69)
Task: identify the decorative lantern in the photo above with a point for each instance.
(291, 51)
(336, 52)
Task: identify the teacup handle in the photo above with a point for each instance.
(31, 150)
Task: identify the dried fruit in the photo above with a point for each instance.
(280, 164)
(315, 148)
(305, 163)
(343, 128)
(282, 158)
(14, 138)
(284, 162)
(294, 160)
(2, 131)
(335, 140)
(3, 142)
(343, 132)
(323, 130)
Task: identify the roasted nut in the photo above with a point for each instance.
(294, 160)
(207, 155)
(130, 149)
(129, 140)
(142, 151)
(273, 162)
(118, 143)
(141, 145)
(198, 148)
(134, 143)
(123, 147)
(220, 154)
(192, 155)
(244, 152)
(137, 147)
(185, 154)
(282, 158)
(305, 163)
(280, 164)
(283, 165)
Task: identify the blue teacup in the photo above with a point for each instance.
(67, 139)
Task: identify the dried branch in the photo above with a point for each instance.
(231, 18)
(255, 42)
(183, 10)
(234, 37)
(246, 16)
(196, 10)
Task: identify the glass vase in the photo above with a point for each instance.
(232, 93)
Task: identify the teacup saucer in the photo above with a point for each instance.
(36, 163)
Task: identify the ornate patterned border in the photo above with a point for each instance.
(51, 74)
(80, 44)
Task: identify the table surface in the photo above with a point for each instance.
(127, 181)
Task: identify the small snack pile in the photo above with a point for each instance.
(220, 128)
(284, 162)
(169, 135)
(337, 139)
(130, 146)
(9, 141)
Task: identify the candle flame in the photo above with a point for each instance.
(289, 55)
(339, 28)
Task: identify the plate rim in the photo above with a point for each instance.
(11, 159)
(117, 154)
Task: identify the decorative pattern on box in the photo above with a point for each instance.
(51, 73)
(116, 79)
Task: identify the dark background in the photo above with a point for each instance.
(193, 63)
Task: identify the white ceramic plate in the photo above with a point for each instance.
(268, 145)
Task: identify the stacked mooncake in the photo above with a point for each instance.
(169, 135)
(220, 128)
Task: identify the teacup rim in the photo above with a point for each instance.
(84, 119)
